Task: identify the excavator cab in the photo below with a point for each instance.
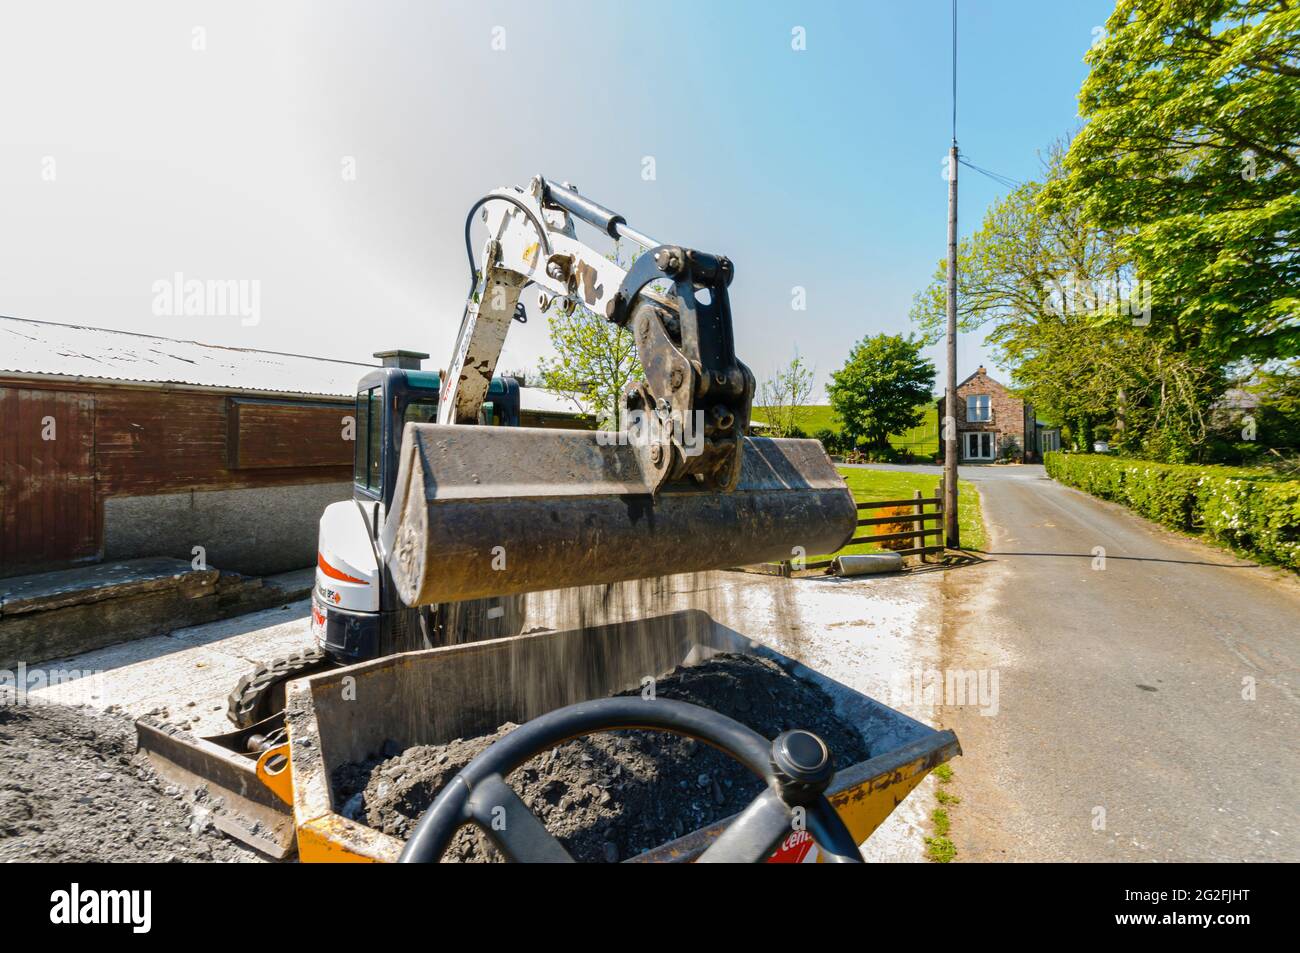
(397, 394)
(356, 612)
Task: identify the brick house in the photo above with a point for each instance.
(992, 423)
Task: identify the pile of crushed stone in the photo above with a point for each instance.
(73, 789)
(611, 796)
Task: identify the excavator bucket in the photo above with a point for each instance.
(490, 511)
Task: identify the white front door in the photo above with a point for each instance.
(979, 445)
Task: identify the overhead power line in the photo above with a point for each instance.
(1003, 180)
(954, 72)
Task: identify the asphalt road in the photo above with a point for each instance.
(1146, 706)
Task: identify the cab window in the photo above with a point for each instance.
(421, 411)
(425, 411)
(366, 468)
(375, 441)
(362, 438)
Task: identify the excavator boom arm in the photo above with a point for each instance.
(690, 413)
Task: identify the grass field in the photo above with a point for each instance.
(922, 440)
(812, 418)
(871, 485)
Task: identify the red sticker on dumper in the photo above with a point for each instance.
(798, 848)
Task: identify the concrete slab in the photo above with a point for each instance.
(183, 676)
(65, 587)
(57, 614)
(295, 584)
(245, 638)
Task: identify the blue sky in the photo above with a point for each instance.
(817, 168)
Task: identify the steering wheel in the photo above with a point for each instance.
(797, 767)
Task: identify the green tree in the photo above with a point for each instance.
(1278, 416)
(1191, 157)
(881, 387)
(783, 398)
(1057, 299)
(595, 360)
(1020, 277)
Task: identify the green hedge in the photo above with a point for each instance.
(1250, 510)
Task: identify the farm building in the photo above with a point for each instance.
(116, 446)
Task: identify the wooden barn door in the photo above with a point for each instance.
(47, 479)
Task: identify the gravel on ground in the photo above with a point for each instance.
(72, 788)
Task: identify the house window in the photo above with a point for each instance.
(978, 409)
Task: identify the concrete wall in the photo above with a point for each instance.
(256, 531)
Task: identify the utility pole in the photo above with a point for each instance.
(952, 536)
(950, 531)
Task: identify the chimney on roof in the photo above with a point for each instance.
(980, 371)
(406, 360)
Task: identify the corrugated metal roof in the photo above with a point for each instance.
(70, 350)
